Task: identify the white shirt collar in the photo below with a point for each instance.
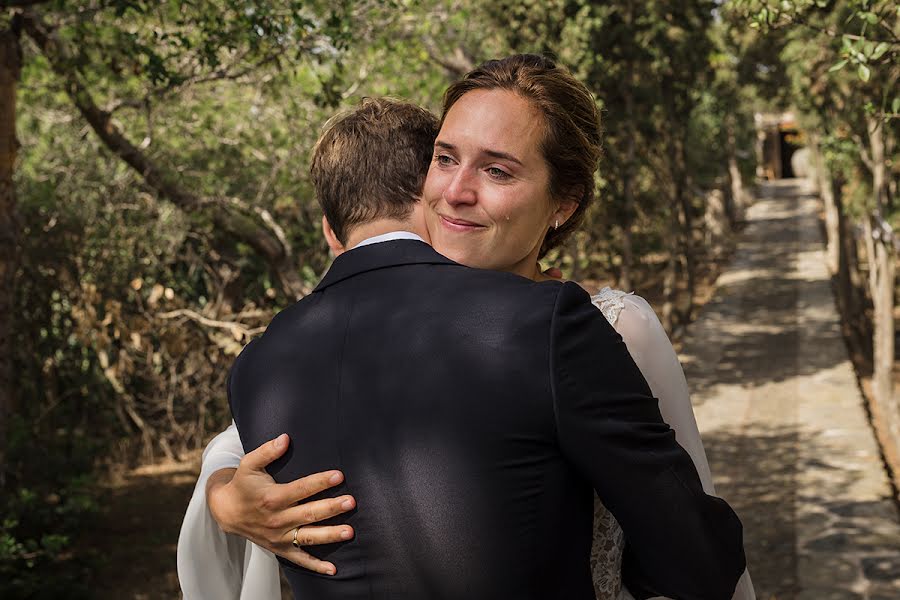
(389, 237)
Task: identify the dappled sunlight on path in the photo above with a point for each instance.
(782, 417)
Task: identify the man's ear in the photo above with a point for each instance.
(337, 248)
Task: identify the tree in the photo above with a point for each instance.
(10, 68)
(119, 62)
(843, 61)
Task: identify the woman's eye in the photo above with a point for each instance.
(443, 160)
(497, 173)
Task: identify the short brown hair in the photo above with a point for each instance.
(572, 135)
(370, 162)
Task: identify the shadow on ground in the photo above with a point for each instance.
(763, 492)
(133, 543)
(748, 334)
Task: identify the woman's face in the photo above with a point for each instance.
(486, 197)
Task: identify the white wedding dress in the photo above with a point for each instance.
(213, 565)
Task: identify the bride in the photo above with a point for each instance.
(463, 180)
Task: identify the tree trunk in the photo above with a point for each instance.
(881, 281)
(670, 290)
(10, 67)
(625, 282)
(683, 202)
(759, 150)
(850, 278)
(628, 208)
(825, 187)
(736, 207)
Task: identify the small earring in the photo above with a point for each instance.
(557, 224)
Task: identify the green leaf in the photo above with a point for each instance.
(895, 106)
(863, 72)
(837, 66)
(879, 50)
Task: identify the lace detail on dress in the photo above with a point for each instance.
(609, 539)
(606, 553)
(610, 303)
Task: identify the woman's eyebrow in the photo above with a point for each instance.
(492, 153)
(503, 155)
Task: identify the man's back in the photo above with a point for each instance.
(428, 386)
(471, 424)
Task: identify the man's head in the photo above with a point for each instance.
(370, 163)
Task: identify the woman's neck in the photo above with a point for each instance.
(528, 267)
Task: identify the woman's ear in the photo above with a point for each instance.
(567, 206)
(337, 248)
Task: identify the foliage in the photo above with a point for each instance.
(842, 64)
(43, 519)
(132, 305)
(118, 284)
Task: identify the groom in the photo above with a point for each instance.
(472, 412)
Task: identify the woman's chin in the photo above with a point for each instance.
(463, 256)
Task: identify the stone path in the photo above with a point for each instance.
(783, 420)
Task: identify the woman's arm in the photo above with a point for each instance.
(212, 563)
(235, 501)
(247, 502)
(652, 352)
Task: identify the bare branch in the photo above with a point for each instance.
(863, 153)
(265, 216)
(457, 64)
(800, 20)
(233, 327)
(223, 74)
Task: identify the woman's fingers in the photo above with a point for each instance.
(317, 510)
(259, 459)
(307, 561)
(312, 535)
(300, 489)
(316, 535)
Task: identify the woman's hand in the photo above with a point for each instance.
(550, 274)
(553, 273)
(246, 501)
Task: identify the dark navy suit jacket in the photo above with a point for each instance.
(473, 414)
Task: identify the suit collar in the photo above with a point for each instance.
(380, 256)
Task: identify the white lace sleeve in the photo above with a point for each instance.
(652, 351)
(212, 563)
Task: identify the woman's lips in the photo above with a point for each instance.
(459, 225)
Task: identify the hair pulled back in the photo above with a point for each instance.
(571, 143)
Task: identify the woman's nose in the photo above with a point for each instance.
(461, 189)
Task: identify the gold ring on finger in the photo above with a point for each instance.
(295, 542)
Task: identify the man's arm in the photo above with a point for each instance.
(682, 543)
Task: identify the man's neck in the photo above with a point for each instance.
(382, 226)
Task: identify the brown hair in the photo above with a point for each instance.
(370, 162)
(572, 136)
